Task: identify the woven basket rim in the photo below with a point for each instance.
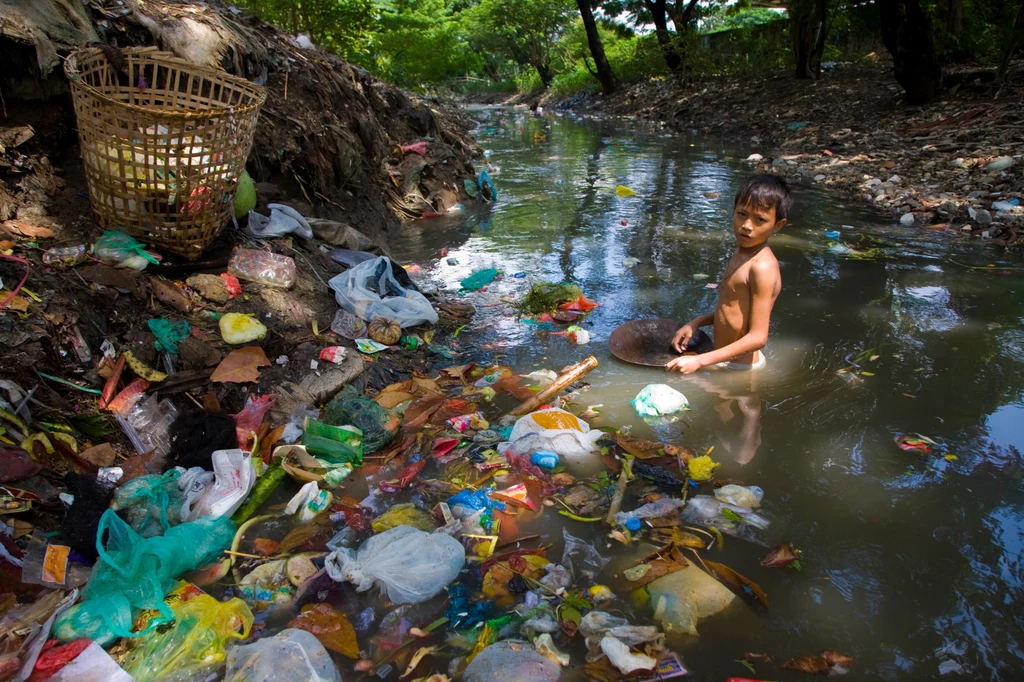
(153, 54)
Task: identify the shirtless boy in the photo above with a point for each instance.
(749, 287)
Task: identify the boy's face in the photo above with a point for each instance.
(753, 225)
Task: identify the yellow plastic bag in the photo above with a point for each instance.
(236, 328)
(195, 645)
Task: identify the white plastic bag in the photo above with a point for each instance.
(656, 400)
(410, 565)
(556, 430)
(740, 496)
(292, 654)
(309, 502)
(370, 290)
(92, 665)
(283, 220)
(235, 477)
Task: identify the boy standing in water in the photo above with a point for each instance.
(749, 287)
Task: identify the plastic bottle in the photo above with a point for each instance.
(409, 342)
(65, 256)
(262, 267)
(651, 510)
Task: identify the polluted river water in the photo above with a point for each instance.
(912, 563)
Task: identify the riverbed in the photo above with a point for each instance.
(912, 563)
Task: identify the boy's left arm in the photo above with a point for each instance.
(762, 297)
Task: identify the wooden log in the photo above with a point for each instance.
(572, 375)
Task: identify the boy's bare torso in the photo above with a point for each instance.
(732, 313)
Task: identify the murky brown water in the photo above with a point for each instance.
(912, 565)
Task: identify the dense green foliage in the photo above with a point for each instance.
(506, 45)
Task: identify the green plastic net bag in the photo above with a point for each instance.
(134, 573)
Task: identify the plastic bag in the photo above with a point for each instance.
(348, 408)
(684, 597)
(479, 279)
(195, 646)
(122, 250)
(93, 664)
(135, 573)
(651, 510)
(234, 478)
(557, 431)
(510, 661)
(309, 502)
(656, 400)
(740, 496)
(262, 267)
(248, 421)
(371, 290)
(169, 334)
(581, 558)
(152, 503)
(293, 655)
(707, 510)
(245, 195)
(283, 220)
(410, 565)
(405, 514)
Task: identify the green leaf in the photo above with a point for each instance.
(93, 425)
(748, 665)
(730, 515)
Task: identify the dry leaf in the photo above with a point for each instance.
(20, 229)
(330, 626)
(297, 537)
(813, 665)
(666, 560)
(680, 537)
(170, 294)
(834, 658)
(784, 554)
(102, 455)
(417, 657)
(265, 546)
(420, 411)
(241, 366)
(640, 448)
(18, 304)
(737, 583)
(392, 399)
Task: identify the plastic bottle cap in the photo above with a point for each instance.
(832, 234)
(633, 524)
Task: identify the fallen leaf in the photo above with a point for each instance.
(950, 457)
(666, 560)
(170, 294)
(737, 583)
(105, 275)
(834, 658)
(330, 626)
(20, 229)
(813, 665)
(265, 546)
(782, 555)
(392, 399)
(757, 658)
(297, 537)
(420, 411)
(638, 447)
(241, 366)
(18, 304)
(102, 455)
(417, 657)
(133, 467)
(679, 537)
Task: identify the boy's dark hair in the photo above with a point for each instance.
(766, 191)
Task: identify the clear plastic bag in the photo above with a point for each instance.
(371, 290)
(684, 597)
(651, 510)
(194, 647)
(292, 655)
(557, 431)
(134, 573)
(262, 267)
(740, 496)
(511, 661)
(410, 565)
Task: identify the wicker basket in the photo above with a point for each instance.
(163, 142)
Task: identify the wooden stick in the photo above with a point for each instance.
(248, 556)
(620, 492)
(572, 375)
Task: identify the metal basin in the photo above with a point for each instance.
(645, 342)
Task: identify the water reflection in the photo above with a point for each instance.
(913, 563)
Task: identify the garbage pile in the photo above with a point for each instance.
(383, 510)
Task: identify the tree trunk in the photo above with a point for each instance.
(1010, 45)
(544, 71)
(955, 17)
(907, 34)
(604, 70)
(660, 20)
(807, 26)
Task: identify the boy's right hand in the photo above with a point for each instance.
(682, 337)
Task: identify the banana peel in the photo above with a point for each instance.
(142, 370)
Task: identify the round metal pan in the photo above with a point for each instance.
(645, 342)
